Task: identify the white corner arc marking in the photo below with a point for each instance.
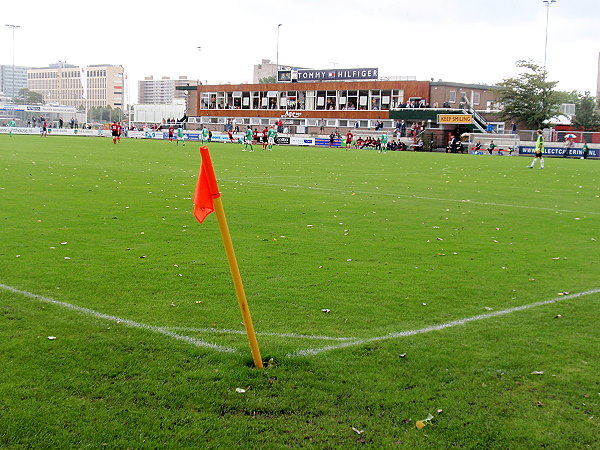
(129, 323)
(454, 323)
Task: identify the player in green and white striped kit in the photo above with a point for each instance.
(204, 133)
(180, 136)
(271, 137)
(384, 140)
(248, 140)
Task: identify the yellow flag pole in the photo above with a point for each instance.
(237, 282)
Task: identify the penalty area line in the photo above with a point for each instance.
(454, 323)
(129, 323)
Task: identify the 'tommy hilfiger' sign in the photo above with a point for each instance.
(338, 74)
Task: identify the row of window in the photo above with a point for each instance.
(71, 83)
(65, 74)
(374, 99)
(262, 121)
(463, 98)
(56, 95)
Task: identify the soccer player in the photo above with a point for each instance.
(271, 137)
(349, 137)
(539, 150)
(265, 138)
(180, 136)
(44, 129)
(248, 139)
(384, 141)
(11, 125)
(171, 133)
(204, 135)
(114, 128)
(119, 131)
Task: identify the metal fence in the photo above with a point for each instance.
(551, 135)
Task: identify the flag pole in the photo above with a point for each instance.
(207, 199)
(237, 282)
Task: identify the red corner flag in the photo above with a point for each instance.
(206, 188)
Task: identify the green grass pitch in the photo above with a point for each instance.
(386, 243)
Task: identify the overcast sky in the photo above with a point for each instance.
(471, 41)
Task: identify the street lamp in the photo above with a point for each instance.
(547, 3)
(277, 61)
(199, 51)
(14, 27)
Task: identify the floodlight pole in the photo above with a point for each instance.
(199, 51)
(14, 27)
(547, 3)
(277, 60)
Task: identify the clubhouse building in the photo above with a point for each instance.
(312, 101)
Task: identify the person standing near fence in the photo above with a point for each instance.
(568, 146)
(586, 150)
(539, 150)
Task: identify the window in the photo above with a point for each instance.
(452, 98)
(352, 101)
(321, 99)
(363, 99)
(331, 100)
(476, 98)
(375, 104)
(310, 100)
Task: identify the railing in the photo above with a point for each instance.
(591, 137)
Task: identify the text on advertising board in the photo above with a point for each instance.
(454, 118)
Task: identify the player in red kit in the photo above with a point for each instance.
(119, 131)
(171, 132)
(265, 139)
(114, 128)
(349, 139)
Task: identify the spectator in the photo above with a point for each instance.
(586, 150)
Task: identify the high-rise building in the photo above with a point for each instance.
(267, 69)
(61, 83)
(11, 85)
(162, 91)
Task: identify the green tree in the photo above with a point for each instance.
(266, 80)
(28, 97)
(104, 114)
(587, 117)
(529, 97)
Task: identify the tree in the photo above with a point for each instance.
(529, 97)
(28, 97)
(267, 80)
(587, 117)
(103, 115)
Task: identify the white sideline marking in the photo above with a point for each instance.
(454, 323)
(262, 333)
(418, 197)
(126, 322)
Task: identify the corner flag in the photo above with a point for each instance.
(206, 200)
(206, 188)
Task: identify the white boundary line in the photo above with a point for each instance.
(126, 322)
(454, 323)
(351, 342)
(418, 197)
(262, 333)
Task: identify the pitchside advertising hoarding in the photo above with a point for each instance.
(575, 152)
(287, 76)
